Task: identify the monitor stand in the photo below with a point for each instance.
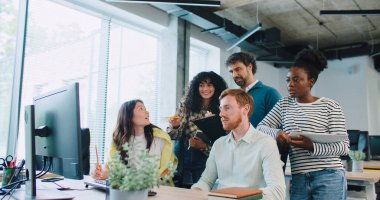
(30, 155)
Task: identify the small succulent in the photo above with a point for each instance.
(141, 172)
(356, 155)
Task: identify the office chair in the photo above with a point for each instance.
(86, 150)
(363, 144)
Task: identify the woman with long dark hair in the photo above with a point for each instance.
(317, 170)
(200, 100)
(133, 126)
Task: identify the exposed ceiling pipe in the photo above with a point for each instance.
(350, 12)
(207, 3)
(246, 35)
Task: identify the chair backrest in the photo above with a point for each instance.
(363, 144)
(86, 150)
(374, 144)
(353, 136)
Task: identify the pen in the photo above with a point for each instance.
(97, 158)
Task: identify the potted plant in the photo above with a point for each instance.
(134, 179)
(357, 158)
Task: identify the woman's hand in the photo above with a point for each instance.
(282, 138)
(301, 142)
(197, 143)
(99, 173)
(175, 121)
(209, 114)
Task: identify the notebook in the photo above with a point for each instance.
(237, 193)
(212, 127)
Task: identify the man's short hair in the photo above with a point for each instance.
(245, 58)
(242, 98)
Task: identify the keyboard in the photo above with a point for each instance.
(103, 182)
(98, 184)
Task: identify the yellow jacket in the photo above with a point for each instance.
(167, 152)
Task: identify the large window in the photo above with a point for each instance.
(113, 62)
(62, 46)
(133, 69)
(8, 24)
(203, 57)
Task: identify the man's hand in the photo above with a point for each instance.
(196, 142)
(196, 188)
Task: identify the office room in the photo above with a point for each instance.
(104, 53)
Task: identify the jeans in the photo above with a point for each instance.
(192, 163)
(319, 185)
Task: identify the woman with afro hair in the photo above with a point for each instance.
(317, 170)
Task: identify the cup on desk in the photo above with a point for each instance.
(10, 175)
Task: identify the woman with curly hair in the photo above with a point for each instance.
(200, 100)
(317, 170)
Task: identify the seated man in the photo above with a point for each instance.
(245, 157)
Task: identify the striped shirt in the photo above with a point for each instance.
(324, 116)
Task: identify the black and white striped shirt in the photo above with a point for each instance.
(324, 116)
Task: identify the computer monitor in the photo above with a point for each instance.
(374, 144)
(359, 141)
(52, 128)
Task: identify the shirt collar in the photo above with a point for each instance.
(248, 137)
(251, 86)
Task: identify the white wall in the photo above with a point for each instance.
(345, 82)
(271, 76)
(209, 38)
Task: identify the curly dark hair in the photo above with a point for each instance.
(245, 58)
(193, 99)
(124, 128)
(312, 61)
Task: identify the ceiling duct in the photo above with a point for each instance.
(228, 31)
(246, 35)
(269, 38)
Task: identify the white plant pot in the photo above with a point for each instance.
(357, 165)
(128, 195)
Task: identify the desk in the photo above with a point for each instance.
(163, 192)
(372, 164)
(172, 193)
(367, 179)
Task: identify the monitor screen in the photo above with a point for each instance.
(59, 112)
(374, 143)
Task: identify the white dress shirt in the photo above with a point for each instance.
(251, 86)
(253, 161)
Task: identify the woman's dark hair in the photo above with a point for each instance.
(193, 99)
(313, 61)
(125, 130)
